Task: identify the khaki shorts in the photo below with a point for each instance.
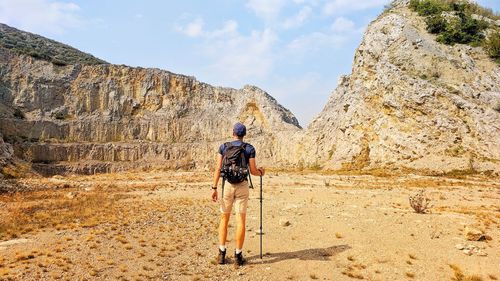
(236, 194)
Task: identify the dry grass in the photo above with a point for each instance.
(38, 210)
(460, 276)
(410, 274)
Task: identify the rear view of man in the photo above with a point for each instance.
(236, 193)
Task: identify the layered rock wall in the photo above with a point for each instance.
(109, 117)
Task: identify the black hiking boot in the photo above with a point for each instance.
(239, 259)
(221, 257)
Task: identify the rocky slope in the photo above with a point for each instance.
(412, 103)
(99, 118)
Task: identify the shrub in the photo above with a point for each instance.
(492, 45)
(462, 28)
(419, 202)
(436, 24)
(428, 7)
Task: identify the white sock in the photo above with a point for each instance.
(238, 251)
(222, 247)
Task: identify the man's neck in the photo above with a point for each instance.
(238, 139)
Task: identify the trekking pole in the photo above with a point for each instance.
(250, 178)
(261, 233)
(223, 181)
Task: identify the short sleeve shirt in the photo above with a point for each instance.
(249, 150)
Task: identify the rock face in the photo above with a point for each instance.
(100, 118)
(412, 103)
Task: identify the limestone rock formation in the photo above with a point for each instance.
(99, 118)
(412, 103)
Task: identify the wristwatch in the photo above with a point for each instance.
(214, 188)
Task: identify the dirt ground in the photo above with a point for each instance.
(163, 226)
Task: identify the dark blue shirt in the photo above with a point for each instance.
(249, 149)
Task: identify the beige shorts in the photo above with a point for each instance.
(236, 194)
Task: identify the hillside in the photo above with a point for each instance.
(38, 47)
(411, 103)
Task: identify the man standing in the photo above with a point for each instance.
(235, 193)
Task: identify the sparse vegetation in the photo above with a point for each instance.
(460, 276)
(38, 47)
(492, 46)
(453, 22)
(420, 203)
(164, 233)
(410, 274)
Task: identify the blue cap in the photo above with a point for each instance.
(239, 129)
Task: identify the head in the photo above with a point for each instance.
(239, 130)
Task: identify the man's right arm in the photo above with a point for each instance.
(253, 168)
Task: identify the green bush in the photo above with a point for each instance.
(429, 7)
(492, 45)
(461, 28)
(436, 24)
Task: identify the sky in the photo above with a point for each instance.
(293, 49)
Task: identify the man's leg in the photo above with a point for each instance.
(241, 210)
(240, 230)
(224, 221)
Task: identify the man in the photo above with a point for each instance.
(234, 194)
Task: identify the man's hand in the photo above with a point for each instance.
(262, 171)
(215, 195)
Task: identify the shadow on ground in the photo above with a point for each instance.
(316, 254)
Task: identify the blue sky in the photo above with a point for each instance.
(293, 49)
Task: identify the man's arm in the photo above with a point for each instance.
(218, 166)
(253, 168)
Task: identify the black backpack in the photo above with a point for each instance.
(234, 165)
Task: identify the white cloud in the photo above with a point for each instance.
(243, 58)
(299, 18)
(193, 28)
(315, 41)
(230, 28)
(236, 57)
(336, 7)
(342, 24)
(41, 16)
(267, 9)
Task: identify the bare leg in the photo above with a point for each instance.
(240, 230)
(224, 220)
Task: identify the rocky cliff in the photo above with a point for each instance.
(99, 118)
(412, 103)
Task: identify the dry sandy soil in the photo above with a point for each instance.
(162, 226)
